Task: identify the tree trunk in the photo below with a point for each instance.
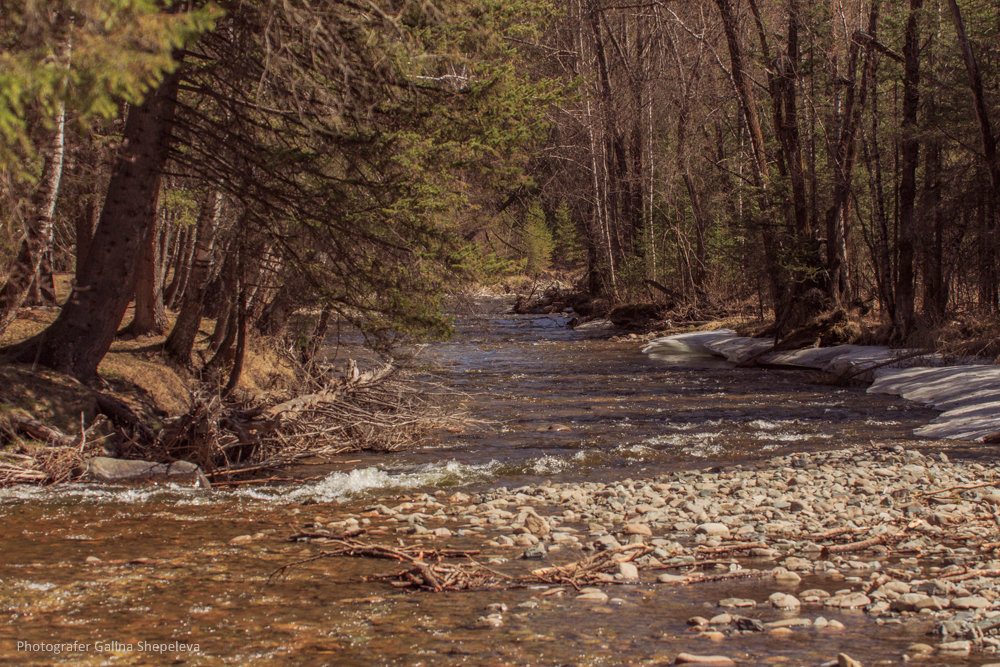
(37, 238)
(241, 336)
(990, 154)
(904, 319)
(180, 342)
(150, 316)
(82, 334)
(844, 152)
(179, 265)
(86, 223)
(935, 295)
(318, 337)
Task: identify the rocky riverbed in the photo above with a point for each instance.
(906, 537)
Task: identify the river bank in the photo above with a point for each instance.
(965, 390)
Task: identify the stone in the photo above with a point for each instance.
(592, 595)
(489, 621)
(737, 603)
(105, 469)
(970, 602)
(910, 602)
(714, 529)
(849, 600)
(628, 571)
(638, 529)
(715, 660)
(784, 601)
(813, 595)
(960, 646)
(844, 660)
(785, 576)
(789, 623)
(919, 649)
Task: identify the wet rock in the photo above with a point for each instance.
(919, 649)
(592, 595)
(962, 646)
(489, 621)
(851, 600)
(789, 623)
(813, 595)
(715, 660)
(105, 469)
(746, 624)
(737, 603)
(784, 576)
(784, 601)
(628, 572)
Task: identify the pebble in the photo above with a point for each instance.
(784, 601)
(715, 660)
(628, 572)
(737, 603)
(714, 529)
(638, 529)
(784, 507)
(592, 595)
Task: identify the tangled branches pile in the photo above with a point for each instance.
(52, 457)
(428, 570)
(380, 409)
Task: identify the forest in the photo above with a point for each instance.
(243, 161)
(272, 170)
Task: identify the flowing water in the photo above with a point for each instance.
(123, 572)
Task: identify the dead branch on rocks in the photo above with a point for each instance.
(439, 577)
(705, 578)
(731, 548)
(590, 570)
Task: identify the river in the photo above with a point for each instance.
(123, 572)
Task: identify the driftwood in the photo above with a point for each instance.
(57, 458)
(377, 410)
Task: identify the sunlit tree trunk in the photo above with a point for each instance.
(180, 342)
(38, 233)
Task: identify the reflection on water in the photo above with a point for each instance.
(156, 564)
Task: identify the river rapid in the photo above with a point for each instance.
(164, 574)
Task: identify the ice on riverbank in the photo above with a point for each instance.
(968, 394)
